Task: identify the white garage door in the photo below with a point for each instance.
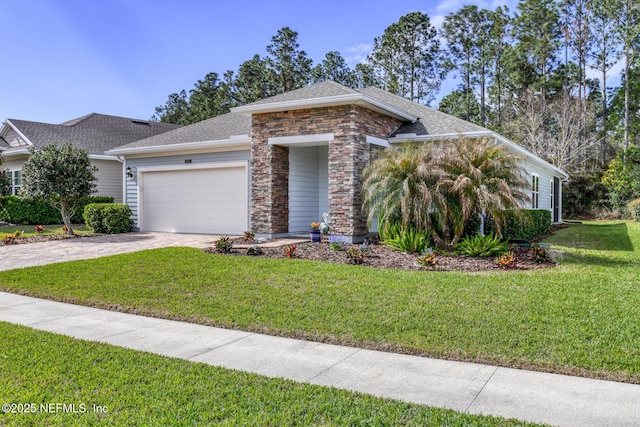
(210, 201)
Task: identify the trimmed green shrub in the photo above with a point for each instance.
(481, 246)
(405, 239)
(531, 224)
(111, 218)
(23, 211)
(633, 209)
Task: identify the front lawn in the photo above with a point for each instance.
(579, 318)
(107, 385)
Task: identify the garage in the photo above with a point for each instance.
(207, 200)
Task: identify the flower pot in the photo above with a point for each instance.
(315, 235)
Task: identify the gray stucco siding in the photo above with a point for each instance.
(131, 187)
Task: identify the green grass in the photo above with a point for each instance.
(578, 318)
(49, 229)
(145, 389)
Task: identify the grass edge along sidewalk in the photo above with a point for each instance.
(100, 383)
(579, 318)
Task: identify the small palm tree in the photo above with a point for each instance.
(437, 187)
(400, 186)
(478, 176)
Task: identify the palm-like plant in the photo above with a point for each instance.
(400, 186)
(437, 187)
(477, 176)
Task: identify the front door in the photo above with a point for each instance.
(556, 199)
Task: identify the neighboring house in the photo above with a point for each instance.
(95, 133)
(276, 165)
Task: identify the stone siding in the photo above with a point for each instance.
(348, 156)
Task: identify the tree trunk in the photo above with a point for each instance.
(66, 217)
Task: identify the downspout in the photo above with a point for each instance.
(122, 160)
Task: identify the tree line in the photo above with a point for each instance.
(540, 75)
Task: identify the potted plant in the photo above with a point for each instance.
(314, 232)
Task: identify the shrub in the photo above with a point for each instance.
(249, 236)
(356, 255)
(24, 211)
(538, 254)
(254, 250)
(530, 224)
(507, 260)
(405, 239)
(111, 218)
(337, 243)
(428, 259)
(39, 229)
(582, 195)
(633, 210)
(224, 245)
(481, 246)
(290, 251)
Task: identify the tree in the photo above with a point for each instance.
(622, 177)
(467, 33)
(5, 180)
(335, 68)
(437, 187)
(628, 34)
(290, 66)
(603, 54)
(401, 186)
(61, 175)
(537, 31)
(175, 110)
(406, 58)
(498, 44)
(253, 81)
(459, 104)
(477, 176)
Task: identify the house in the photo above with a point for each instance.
(95, 133)
(276, 165)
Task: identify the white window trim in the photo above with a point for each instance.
(535, 191)
(551, 196)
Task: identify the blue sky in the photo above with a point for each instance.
(66, 58)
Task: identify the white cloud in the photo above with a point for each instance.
(356, 54)
(448, 6)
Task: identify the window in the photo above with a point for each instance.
(16, 181)
(535, 191)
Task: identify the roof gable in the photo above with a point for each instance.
(430, 122)
(95, 133)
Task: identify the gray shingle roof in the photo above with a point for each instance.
(214, 129)
(430, 122)
(95, 133)
(323, 89)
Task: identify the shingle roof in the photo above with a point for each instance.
(95, 133)
(323, 89)
(430, 122)
(214, 129)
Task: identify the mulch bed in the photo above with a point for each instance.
(38, 239)
(382, 256)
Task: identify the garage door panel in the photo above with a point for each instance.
(196, 201)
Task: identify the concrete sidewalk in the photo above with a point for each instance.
(467, 387)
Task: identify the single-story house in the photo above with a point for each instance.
(95, 133)
(276, 165)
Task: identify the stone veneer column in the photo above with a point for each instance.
(269, 187)
(348, 156)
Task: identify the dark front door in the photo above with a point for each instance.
(556, 199)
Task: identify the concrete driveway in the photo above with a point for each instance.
(31, 254)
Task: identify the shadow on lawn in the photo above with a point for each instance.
(602, 237)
